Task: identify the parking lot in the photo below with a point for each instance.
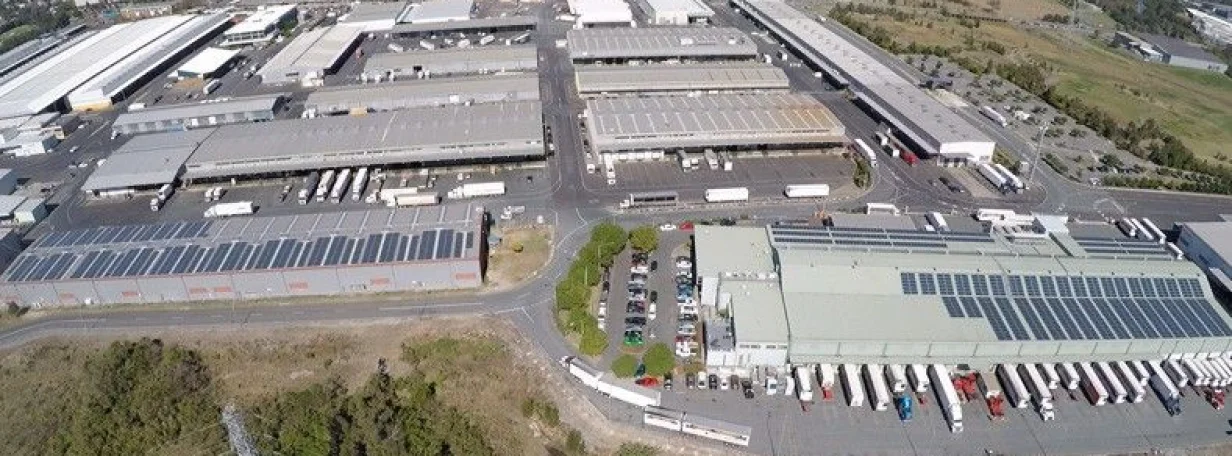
(766, 176)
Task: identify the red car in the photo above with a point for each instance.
(648, 382)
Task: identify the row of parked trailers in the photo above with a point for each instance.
(332, 185)
(1001, 178)
(1145, 229)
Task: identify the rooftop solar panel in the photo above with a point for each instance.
(140, 263)
(970, 307)
(269, 250)
(336, 246)
(470, 240)
(389, 247)
(188, 261)
(412, 249)
(100, 265)
(1158, 326)
(945, 284)
(427, 244)
(996, 285)
(1031, 284)
(909, 285)
(85, 263)
(1132, 319)
(1216, 325)
(458, 238)
(962, 285)
(995, 321)
(1068, 322)
(1033, 320)
(1015, 286)
(927, 285)
(952, 307)
(285, 248)
(1006, 309)
(353, 251)
(317, 256)
(1050, 321)
(371, 249)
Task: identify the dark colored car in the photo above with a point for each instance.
(713, 381)
(654, 266)
(640, 321)
(635, 309)
(641, 370)
(747, 387)
(667, 381)
(690, 382)
(654, 296)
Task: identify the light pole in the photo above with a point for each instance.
(1039, 150)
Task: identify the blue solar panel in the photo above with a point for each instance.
(1093, 289)
(1069, 322)
(1109, 289)
(979, 283)
(962, 284)
(1050, 321)
(1012, 319)
(1031, 284)
(1079, 286)
(995, 321)
(1161, 325)
(952, 307)
(1047, 287)
(1083, 310)
(170, 259)
(371, 249)
(1174, 290)
(945, 284)
(389, 247)
(100, 265)
(997, 285)
(1135, 287)
(1121, 285)
(457, 245)
(427, 244)
(1033, 320)
(285, 248)
(1191, 288)
(144, 233)
(1184, 321)
(335, 250)
(927, 285)
(907, 279)
(297, 252)
(353, 251)
(85, 264)
(412, 249)
(189, 261)
(400, 251)
(121, 264)
(1063, 288)
(970, 307)
(1216, 325)
(1015, 286)
(444, 244)
(1132, 319)
(140, 263)
(267, 254)
(320, 247)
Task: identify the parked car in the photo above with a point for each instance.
(654, 266)
(634, 338)
(667, 381)
(686, 329)
(747, 387)
(724, 383)
(602, 323)
(640, 321)
(687, 351)
(654, 297)
(653, 311)
(667, 227)
(690, 381)
(772, 386)
(635, 308)
(688, 309)
(682, 280)
(683, 262)
(690, 317)
(713, 381)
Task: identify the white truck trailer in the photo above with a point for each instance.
(1133, 386)
(1144, 373)
(1051, 377)
(867, 152)
(896, 376)
(1159, 234)
(1116, 391)
(1040, 394)
(1197, 375)
(340, 186)
(804, 384)
(327, 182)
(852, 385)
(1015, 390)
(874, 376)
(727, 195)
(1092, 386)
(807, 191)
(938, 221)
(1176, 373)
(359, 184)
(947, 396)
(165, 192)
(992, 114)
(918, 375)
(712, 159)
(478, 189)
(230, 209)
(995, 178)
(1014, 183)
(418, 199)
(1069, 376)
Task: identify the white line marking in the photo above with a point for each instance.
(429, 306)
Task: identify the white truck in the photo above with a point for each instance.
(946, 396)
(487, 40)
(358, 185)
(867, 152)
(938, 221)
(807, 191)
(1092, 386)
(1069, 375)
(804, 384)
(1176, 373)
(230, 209)
(852, 385)
(396, 48)
(874, 376)
(1136, 393)
(1159, 234)
(727, 195)
(1116, 391)
(993, 115)
(165, 192)
(427, 45)
(1014, 184)
(998, 181)
(211, 86)
(1015, 390)
(327, 182)
(156, 204)
(306, 188)
(477, 189)
(918, 375)
(340, 186)
(1038, 388)
(1049, 371)
(896, 376)
(420, 199)
(712, 159)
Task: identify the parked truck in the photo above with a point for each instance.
(1159, 234)
(1134, 391)
(867, 152)
(327, 182)
(165, 192)
(478, 189)
(308, 186)
(947, 397)
(1176, 373)
(998, 181)
(874, 378)
(1040, 394)
(418, 199)
(340, 185)
(992, 114)
(359, 184)
(712, 159)
(230, 209)
(938, 221)
(727, 195)
(807, 191)
(156, 204)
(1015, 389)
(1092, 386)
(395, 48)
(1069, 376)
(804, 384)
(852, 385)
(896, 378)
(211, 86)
(825, 379)
(1167, 393)
(1051, 377)
(1014, 184)
(918, 374)
(427, 45)
(1116, 391)
(487, 40)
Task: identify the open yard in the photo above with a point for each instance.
(1196, 106)
(520, 255)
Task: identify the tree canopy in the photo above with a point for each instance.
(659, 360)
(644, 238)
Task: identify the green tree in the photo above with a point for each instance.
(636, 449)
(624, 366)
(659, 360)
(610, 234)
(1111, 161)
(644, 238)
(574, 443)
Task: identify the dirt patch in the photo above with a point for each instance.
(522, 253)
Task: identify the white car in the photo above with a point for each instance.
(789, 388)
(686, 351)
(688, 309)
(723, 383)
(602, 311)
(772, 386)
(667, 227)
(602, 323)
(684, 264)
(686, 329)
(652, 311)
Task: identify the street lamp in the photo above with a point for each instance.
(1039, 150)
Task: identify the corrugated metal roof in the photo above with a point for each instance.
(426, 92)
(659, 42)
(316, 50)
(473, 24)
(146, 160)
(201, 109)
(664, 78)
(471, 59)
(208, 61)
(260, 19)
(438, 11)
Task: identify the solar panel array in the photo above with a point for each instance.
(825, 236)
(1044, 307)
(125, 234)
(1097, 246)
(191, 258)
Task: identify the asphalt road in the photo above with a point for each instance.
(574, 208)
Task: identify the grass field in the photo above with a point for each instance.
(1196, 106)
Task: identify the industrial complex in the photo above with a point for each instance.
(417, 93)
(311, 56)
(621, 45)
(186, 116)
(453, 61)
(341, 252)
(598, 81)
(882, 289)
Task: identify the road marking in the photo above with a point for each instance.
(429, 306)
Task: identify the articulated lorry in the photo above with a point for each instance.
(476, 190)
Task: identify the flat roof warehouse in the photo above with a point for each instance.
(425, 92)
(659, 43)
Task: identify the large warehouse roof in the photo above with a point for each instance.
(601, 11)
(487, 59)
(332, 239)
(261, 19)
(680, 78)
(660, 42)
(438, 11)
(207, 61)
(450, 133)
(490, 23)
(160, 45)
(146, 161)
(616, 124)
(202, 109)
(312, 52)
(689, 8)
(868, 294)
(925, 120)
(42, 85)
(426, 92)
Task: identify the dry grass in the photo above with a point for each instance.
(507, 266)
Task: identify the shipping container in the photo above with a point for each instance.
(878, 393)
(807, 191)
(1116, 391)
(1092, 386)
(1069, 376)
(918, 375)
(947, 397)
(724, 195)
(852, 385)
(1015, 390)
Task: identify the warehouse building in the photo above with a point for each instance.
(209, 63)
(454, 61)
(923, 121)
(420, 249)
(30, 51)
(675, 12)
(418, 93)
(260, 26)
(187, 116)
(485, 25)
(1209, 245)
(484, 133)
(1042, 291)
(719, 122)
(373, 16)
(601, 13)
(615, 80)
(432, 11)
(311, 56)
(615, 45)
(162, 46)
(143, 163)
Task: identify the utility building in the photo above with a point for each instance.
(261, 26)
(311, 56)
(210, 63)
(454, 61)
(418, 249)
